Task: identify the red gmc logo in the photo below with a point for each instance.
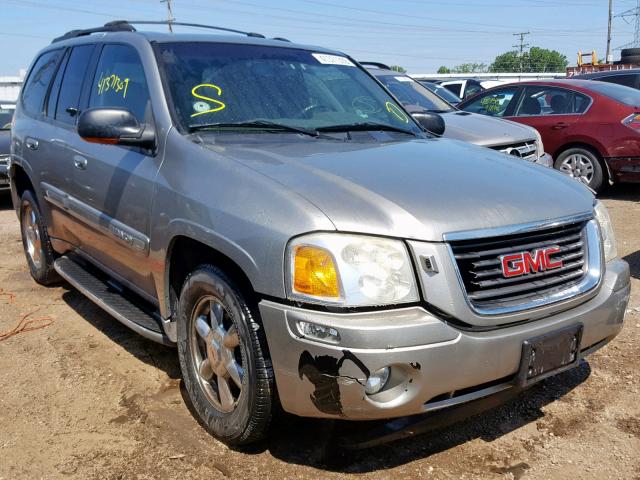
(523, 263)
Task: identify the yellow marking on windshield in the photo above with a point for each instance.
(194, 92)
(113, 83)
(396, 112)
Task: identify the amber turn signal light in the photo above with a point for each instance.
(315, 272)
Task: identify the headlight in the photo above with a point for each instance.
(606, 231)
(539, 144)
(349, 270)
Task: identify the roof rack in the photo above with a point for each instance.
(127, 26)
(375, 64)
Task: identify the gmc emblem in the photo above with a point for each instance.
(522, 263)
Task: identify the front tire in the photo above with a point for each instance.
(224, 365)
(36, 241)
(583, 165)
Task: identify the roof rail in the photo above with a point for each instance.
(281, 39)
(115, 26)
(197, 25)
(127, 26)
(375, 64)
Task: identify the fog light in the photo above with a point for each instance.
(377, 381)
(319, 332)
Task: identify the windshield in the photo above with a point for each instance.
(627, 95)
(231, 85)
(445, 93)
(414, 96)
(6, 115)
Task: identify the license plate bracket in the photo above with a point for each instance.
(549, 354)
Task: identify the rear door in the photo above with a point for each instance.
(112, 186)
(552, 111)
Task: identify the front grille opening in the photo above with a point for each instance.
(524, 150)
(486, 286)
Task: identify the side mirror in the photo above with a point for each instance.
(432, 122)
(114, 126)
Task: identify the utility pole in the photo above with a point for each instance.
(609, 57)
(632, 12)
(522, 45)
(169, 14)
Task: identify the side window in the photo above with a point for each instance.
(74, 73)
(52, 101)
(37, 84)
(472, 89)
(545, 100)
(455, 88)
(580, 102)
(493, 103)
(120, 82)
(626, 80)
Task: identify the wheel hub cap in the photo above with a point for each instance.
(32, 236)
(215, 353)
(578, 166)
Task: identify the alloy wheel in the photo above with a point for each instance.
(32, 236)
(216, 354)
(578, 166)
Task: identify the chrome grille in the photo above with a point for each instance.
(524, 150)
(480, 269)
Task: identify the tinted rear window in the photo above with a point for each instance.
(38, 82)
(619, 93)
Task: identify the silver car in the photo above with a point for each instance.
(503, 135)
(270, 210)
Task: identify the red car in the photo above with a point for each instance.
(592, 129)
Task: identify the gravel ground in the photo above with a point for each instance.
(86, 398)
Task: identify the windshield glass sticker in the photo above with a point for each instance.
(491, 104)
(113, 83)
(404, 79)
(327, 59)
(203, 106)
(396, 112)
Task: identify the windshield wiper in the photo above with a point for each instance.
(363, 127)
(258, 124)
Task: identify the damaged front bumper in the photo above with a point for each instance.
(433, 365)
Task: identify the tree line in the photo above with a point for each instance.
(536, 60)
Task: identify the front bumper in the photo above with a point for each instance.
(545, 160)
(433, 364)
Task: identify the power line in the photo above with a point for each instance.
(632, 12)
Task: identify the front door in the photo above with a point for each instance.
(112, 186)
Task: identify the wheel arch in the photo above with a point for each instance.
(20, 182)
(185, 253)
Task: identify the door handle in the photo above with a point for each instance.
(31, 143)
(560, 126)
(80, 162)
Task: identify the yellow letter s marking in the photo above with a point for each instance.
(194, 92)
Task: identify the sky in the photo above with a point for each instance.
(419, 35)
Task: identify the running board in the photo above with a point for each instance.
(104, 294)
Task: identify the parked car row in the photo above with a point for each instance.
(590, 128)
(6, 116)
(299, 232)
(505, 136)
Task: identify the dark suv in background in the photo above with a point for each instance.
(6, 116)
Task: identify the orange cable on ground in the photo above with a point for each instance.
(26, 324)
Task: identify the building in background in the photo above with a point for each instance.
(10, 86)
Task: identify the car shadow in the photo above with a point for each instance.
(320, 443)
(159, 356)
(622, 191)
(633, 259)
(5, 201)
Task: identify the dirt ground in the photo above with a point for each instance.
(86, 398)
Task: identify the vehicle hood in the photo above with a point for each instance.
(418, 189)
(485, 131)
(5, 142)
